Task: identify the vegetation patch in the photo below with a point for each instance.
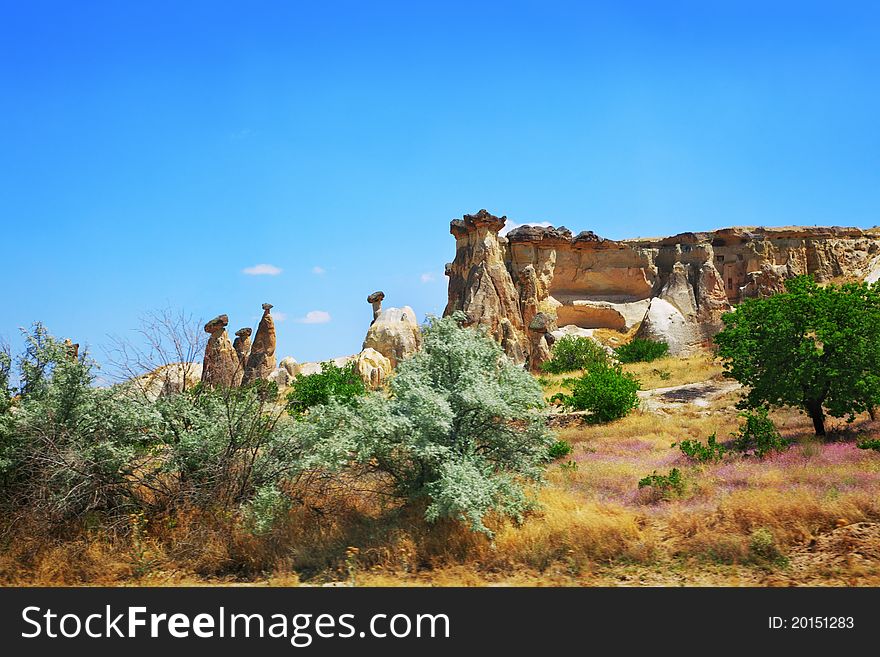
(641, 350)
(573, 353)
(709, 452)
(607, 392)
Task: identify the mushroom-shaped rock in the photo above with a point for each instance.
(221, 366)
(373, 367)
(261, 361)
(375, 299)
(541, 338)
(394, 334)
(242, 345)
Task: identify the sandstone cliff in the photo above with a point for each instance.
(676, 288)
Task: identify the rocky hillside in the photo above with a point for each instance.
(524, 285)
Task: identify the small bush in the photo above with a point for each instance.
(758, 435)
(267, 507)
(664, 374)
(763, 547)
(869, 444)
(667, 485)
(607, 392)
(571, 353)
(342, 384)
(709, 452)
(641, 350)
(559, 449)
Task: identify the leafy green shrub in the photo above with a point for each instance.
(704, 453)
(606, 391)
(461, 429)
(641, 350)
(572, 353)
(869, 444)
(333, 382)
(559, 449)
(666, 485)
(758, 434)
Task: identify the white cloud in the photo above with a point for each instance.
(510, 225)
(427, 277)
(279, 317)
(318, 270)
(262, 270)
(315, 317)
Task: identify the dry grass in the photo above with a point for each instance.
(661, 373)
(672, 371)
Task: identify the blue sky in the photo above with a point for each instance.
(151, 152)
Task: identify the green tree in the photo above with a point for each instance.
(814, 348)
(460, 428)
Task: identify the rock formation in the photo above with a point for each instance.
(394, 333)
(71, 349)
(168, 379)
(375, 299)
(242, 345)
(541, 338)
(220, 366)
(481, 282)
(373, 367)
(261, 361)
(676, 287)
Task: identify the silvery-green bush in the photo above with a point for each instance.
(460, 428)
(67, 447)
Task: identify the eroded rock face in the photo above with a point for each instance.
(589, 282)
(168, 379)
(261, 361)
(481, 284)
(373, 367)
(394, 334)
(664, 322)
(221, 366)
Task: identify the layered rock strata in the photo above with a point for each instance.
(674, 288)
